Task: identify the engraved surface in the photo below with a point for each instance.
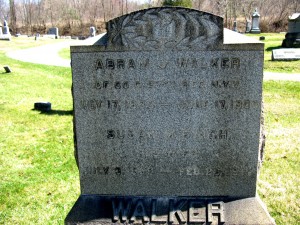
(187, 123)
(165, 28)
(167, 122)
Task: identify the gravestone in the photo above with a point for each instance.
(255, 23)
(5, 28)
(53, 31)
(92, 31)
(292, 37)
(235, 26)
(248, 26)
(167, 122)
(286, 54)
(4, 33)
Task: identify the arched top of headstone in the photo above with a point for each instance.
(164, 28)
(5, 23)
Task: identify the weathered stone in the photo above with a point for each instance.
(53, 31)
(255, 23)
(248, 26)
(92, 31)
(292, 37)
(42, 106)
(286, 54)
(7, 69)
(164, 107)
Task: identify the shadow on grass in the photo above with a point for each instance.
(269, 49)
(56, 112)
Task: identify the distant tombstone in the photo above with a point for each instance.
(7, 69)
(53, 31)
(4, 32)
(92, 31)
(255, 23)
(286, 54)
(248, 26)
(235, 26)
(292, 37)
(37, 36)
(5, 28)
(167, 122)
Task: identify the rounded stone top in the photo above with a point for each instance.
(255, 14)
(165, 28)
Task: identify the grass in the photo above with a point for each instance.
(279, 184)
(40, 182)
(273, 41)
(65, 53)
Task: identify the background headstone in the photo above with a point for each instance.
(286, 54)
(248, 26)
(235, 26)
(5, 28)
(4, 32)
(167, 122)
(92, 31)
(255, 23)
(53, 31)
(292, 37)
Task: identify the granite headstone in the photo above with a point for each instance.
(248, 26)
(167, 122)
(255, 23)
(92, 31)
(4, 33)
(286, 54)
(292, 37)
(53, 31)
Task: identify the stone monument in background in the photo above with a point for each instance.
(167, 122)
(255, 23)
(92, 31)
(54, 31)
(292, 38)
(248, 26)
(4, 32)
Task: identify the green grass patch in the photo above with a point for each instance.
(65, 53)
(273, 41)
(40, 180)
(279, 183)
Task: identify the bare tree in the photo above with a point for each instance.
(13, 16)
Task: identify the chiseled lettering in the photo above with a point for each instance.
(131, 64)
(225, 63)
(214, 63)
(120, 63)
(154, 217)
(120, 210)
(235, 63)
(176, 209)
(197, 212)
(110, 64)
(139, 212)
(216, 212)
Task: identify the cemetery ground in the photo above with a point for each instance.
(40, 181)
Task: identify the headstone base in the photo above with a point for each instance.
(255, 31)
(97, 209)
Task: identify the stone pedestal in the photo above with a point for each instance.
(255, 23)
